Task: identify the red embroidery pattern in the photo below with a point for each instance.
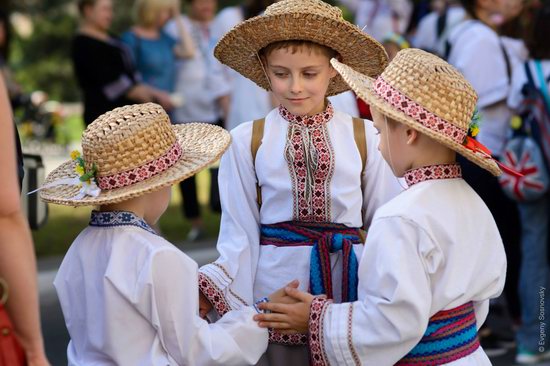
(213, 294)
(350, 336)
(143, 172)
(287, 339)
(317, 208)
(443, 171)
(417, 112)
(316, 341)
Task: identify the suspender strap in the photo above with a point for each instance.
(360, 141)
(257, 134)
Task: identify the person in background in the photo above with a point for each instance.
(103, 65)
(248, 101)
(380, 17)
(154, 51)
(475, 48)
(433, 29)
(535, 216)
(205, 90)
(17, 261)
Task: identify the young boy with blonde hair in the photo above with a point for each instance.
(298, 186)
(433, 257)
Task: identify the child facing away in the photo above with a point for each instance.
(298, 186)
(129, 297)
(433, 257)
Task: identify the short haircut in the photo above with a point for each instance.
(82, 4)
(295, 45)
(146, 12)
(470, 7)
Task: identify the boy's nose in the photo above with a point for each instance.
(295, 86)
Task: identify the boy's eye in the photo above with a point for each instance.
(280, 74)
(310, 75)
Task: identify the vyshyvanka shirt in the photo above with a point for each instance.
(129, 297)
(433, 247)
(310, 171)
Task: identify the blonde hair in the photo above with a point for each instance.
(146, 12)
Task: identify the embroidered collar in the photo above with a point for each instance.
(441, 171)
(118, 218)
(316, 119)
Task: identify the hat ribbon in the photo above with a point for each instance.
(477, 147)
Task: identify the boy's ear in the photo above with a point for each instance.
(333, 72)
(412, 135)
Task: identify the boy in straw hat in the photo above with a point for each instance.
(298, 186)
(433, 257)
(128, 296)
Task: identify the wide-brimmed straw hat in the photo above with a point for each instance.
(426, 93)
(307, 20)
(134, 150)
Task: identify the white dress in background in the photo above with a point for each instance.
(129, 297)
(200, 80)
(248, 100)
(426, 34)
(376, 16)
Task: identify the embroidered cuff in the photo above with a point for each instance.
(287, 339)
(213, 294)
(317, 312)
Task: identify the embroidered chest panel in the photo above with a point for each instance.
(310, 158)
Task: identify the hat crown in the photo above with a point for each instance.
(313, 7)
(127, 138)
(433, 84)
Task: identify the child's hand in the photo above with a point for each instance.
(204, 305)
(280, 295)
(287, 317)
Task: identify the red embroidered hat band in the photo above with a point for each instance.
(127, 178)
(414, 110)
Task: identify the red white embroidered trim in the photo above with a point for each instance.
(317, 208)
(316, 342)
(213, 294)
(417, 112)
(143, 172)
(319, 118)
(350, 336)
(287, 339)
(442, 171)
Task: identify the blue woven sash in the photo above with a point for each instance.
(324, 238)
(451, 335)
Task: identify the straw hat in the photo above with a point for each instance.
(136, 151)
(308, 20)
(426, 93)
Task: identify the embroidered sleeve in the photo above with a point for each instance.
(213, 294)
(317, 312)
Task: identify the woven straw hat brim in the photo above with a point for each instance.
(363, 86)
(202, 144)
(239, 48)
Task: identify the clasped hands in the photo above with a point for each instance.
(288, 306)
(289, 310)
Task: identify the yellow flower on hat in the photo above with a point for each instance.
(474, 130)
(75, 154)
(79, 170)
